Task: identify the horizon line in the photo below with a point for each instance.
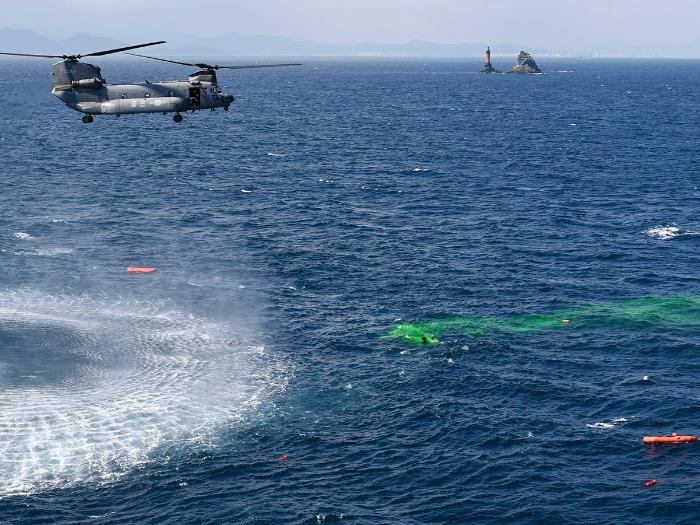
(369, 53)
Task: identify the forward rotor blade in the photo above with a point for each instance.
(120, 49)
(209, 66)
(165, 60)
(28, 55)
(258, 66)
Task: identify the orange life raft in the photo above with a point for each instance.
(673, 438)
(141, 270)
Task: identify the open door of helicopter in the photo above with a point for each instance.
(195, 96)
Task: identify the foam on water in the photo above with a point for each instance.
(663, 232)
(602, 425)
(42, 252)
(90, 389)
(666, 233)
(23, 236)
(608, 425)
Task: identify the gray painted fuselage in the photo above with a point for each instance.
(82, 88)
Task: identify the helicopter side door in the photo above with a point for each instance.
(195, 96)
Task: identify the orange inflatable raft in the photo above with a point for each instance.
(673, 438)
(142, 270)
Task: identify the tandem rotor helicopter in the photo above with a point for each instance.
(81, 87)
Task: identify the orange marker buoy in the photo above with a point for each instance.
(673, 438)
(650, 483)
(142, 270)
(284, 458)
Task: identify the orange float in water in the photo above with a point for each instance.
(650, 483)
(284, 458)
(142, 270)
(673, 438)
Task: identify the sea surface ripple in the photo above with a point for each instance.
(334, 203)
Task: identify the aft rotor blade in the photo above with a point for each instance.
(28, 55)
(258, 66)
(165, 60)
(120, 49)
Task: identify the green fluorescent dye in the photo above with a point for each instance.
(646, 311)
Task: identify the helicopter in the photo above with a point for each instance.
(81, 87)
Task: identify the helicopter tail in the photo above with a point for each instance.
(69, 75)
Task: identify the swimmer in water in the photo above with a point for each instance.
(425, 340)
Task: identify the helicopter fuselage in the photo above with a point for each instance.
(81, 87)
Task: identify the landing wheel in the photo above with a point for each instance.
(88, 119)
(177, 118)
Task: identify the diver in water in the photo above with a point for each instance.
(424, 339)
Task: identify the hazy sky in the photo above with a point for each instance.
(612, 27)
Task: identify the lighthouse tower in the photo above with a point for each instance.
(488, 68)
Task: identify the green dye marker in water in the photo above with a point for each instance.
(635, 313)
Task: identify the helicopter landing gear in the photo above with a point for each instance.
(88, 119)
(177, 118)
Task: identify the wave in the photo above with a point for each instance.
(90, 389)
(608, 425)
(666, 233)
(41, 252)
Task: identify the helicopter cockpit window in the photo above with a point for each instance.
(123, 95)
(171, 94)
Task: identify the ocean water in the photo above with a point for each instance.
(306, 242)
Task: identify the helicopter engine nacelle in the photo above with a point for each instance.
(88, 83)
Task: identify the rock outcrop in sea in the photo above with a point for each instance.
(526, 64)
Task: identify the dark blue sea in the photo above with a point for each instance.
(333, 203)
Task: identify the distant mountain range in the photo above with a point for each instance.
(25, 41)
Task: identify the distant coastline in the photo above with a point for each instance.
(234, 44)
